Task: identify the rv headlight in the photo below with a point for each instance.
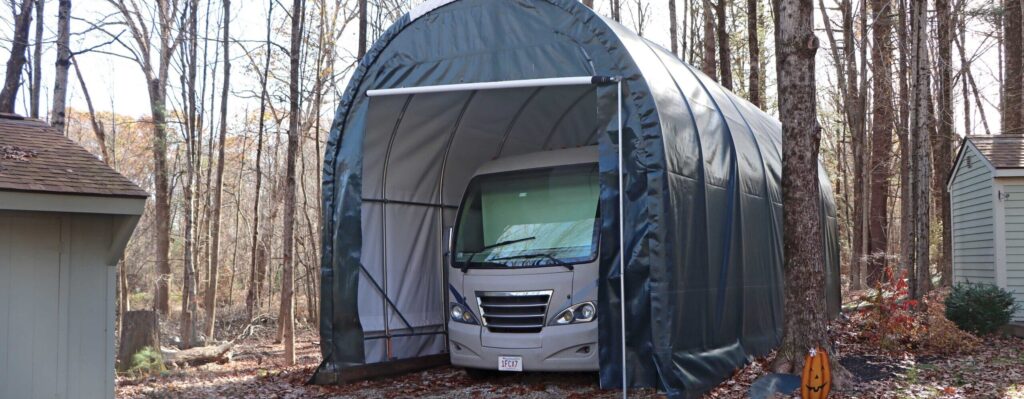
(586, 312)
(578, 313)
(565, 317)
(461, 314)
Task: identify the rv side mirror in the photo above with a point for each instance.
(450, 240)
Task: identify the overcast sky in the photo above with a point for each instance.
(118, 84)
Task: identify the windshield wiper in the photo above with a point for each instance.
(553, 259)
(465, 265)
(504, 243)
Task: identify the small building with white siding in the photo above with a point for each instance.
(65, 218)
(986, 188)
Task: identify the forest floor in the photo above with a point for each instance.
(994, 368)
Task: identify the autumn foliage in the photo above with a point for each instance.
(894, 321)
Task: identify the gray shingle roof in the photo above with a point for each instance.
(1004, 151)
(35, 157)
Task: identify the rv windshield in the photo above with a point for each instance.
(537, 217)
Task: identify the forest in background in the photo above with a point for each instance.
(225, 233)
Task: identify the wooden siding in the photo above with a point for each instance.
(56, 306)
(29, 295)
(972, 214)
(1014, 215)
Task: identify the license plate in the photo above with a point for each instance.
(510, 363)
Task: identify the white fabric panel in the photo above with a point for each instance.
(414, 164)
(532, 129)
(414, 265)
(380, 124)
(371, 303)
(415, 346)
(479, 135)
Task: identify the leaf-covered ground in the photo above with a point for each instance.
(993, 369)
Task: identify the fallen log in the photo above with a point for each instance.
(198, 356)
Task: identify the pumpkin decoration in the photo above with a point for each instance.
(816, 381)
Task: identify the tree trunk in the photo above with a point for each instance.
(156, 85)
(754, 47)
(945, 134)
(252, 298)
(709, 66)
(921, 126)
(139, 329)
(362, 30)
(846, 79)
(590, 3)
(161, 200)
(804, 325)
(903, 134)
(724, 52)
(288, 236)
(189, 295)
(16, 62)
(60, 80)
(1013, 85)
(211, 288)
(37, 62)
(673, 27)
(858, 125)
(97, 127)
(616, 10)
(881, 140)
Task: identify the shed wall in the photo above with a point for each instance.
(972, 216)
(56, 306)
(1014, 214)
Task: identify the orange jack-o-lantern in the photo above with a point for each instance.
(816, 381)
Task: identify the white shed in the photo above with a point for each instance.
(65, 218)
(986, 189)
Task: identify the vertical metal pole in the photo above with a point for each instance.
(622, 246)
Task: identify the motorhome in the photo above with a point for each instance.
(524, 265)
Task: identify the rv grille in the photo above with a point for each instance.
(514, 312)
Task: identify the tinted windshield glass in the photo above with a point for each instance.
(539, 217)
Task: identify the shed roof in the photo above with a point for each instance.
(1005, 151)
(35, 157)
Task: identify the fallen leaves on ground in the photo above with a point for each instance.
(993, 368)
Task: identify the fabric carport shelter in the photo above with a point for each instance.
(702, 216)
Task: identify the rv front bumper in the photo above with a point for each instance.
(555, 348)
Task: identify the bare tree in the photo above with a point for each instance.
(590, 3)
(754, 48)
(37, 62)
(15, 63)
(804, 308)
(724, 51)
(641, 16)
(881, 139)
(616, 6)
(362, 30)
(168, 38)
(673, 27)
(288, 236)
(920, 130)
(709, 65)
(850, 92)
(1013, 85)
(258, 249)
(97, 126)
(214, 265)
(189, 290)
(942, 145)
(60, 80)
